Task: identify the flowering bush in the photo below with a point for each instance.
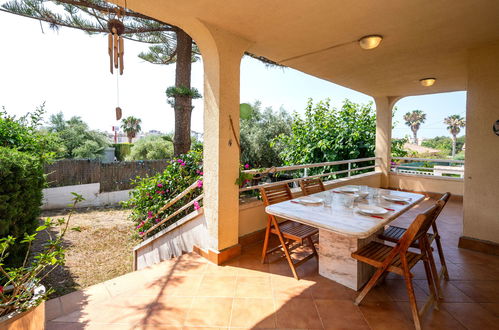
(150, 194)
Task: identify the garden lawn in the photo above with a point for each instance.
(101, 251)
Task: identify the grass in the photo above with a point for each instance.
(101, 251)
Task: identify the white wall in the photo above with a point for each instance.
(60, 197)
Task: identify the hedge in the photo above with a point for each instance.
(121, 150)
(22, 180)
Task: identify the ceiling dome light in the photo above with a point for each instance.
(427, 82)
(370, 42)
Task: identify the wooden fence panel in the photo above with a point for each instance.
(111, 176)
(118, 176)
(68, 172)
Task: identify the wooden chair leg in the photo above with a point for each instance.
(314, 250)
(266, 241)
(412, 296)
(431, 286)
(442, 258)
(372, 282)
(431, 261)
(286, 251)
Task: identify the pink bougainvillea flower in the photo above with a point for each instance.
(196, 206)
(167, 190)
(246, 166)
(157, 220)
(160, 185)
(180, 161)
(1, 289)
(200, 183)
(141, 233)
(182, 164)
(149, 215)
(140, 225)
(198, 171)
(201, 173)
(158, 192)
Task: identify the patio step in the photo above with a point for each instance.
(173, 241)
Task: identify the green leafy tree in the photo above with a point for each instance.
(327, 134)
(444, 143)
(414, 119)
(151, 147)
(168, 44)
(131, 126)
(258, 128)
(454, 124)
(78, 140)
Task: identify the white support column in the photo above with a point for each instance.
(384, 106)
(221, 152)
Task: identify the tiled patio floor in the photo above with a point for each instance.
(188, 292)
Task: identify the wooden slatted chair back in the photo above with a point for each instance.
(311, 186)
(418, 228)
(276, 194)
(444, 199)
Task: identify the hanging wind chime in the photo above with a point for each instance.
(116, 50)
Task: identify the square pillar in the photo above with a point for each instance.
(221, 133)
(481, 177)
(384, 106)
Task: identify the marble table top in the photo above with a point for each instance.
(340, 219)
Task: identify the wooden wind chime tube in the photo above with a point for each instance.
(116, 47)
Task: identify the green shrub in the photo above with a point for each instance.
(22, 180)
(122, 150)
(151, 147)
(152, 193)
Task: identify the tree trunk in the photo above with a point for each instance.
(454, 140)
(183, 104)
(415, 136)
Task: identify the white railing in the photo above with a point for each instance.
(350, 169)
(454, 168)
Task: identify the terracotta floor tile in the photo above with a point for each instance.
(253, 313)
(326, 289)
(297, 313)
(433, 319)
(472, 315)
(250, 266)
(210, 311)
(491, 307)
(217, 286)
(340, 314)
(171, 311)
(385, 315)
(289, 287)
(449, 291)
(479, 291)
(398, 291)
(253, 287)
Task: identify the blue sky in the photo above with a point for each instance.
(69, 71)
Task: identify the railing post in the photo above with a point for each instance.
(349, 169)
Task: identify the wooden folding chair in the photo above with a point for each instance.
(398, 259)
(286, 230)
(393, 234)
(311, 186)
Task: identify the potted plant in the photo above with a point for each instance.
(22, 295)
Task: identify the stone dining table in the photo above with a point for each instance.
(343, 230)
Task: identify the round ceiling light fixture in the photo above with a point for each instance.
(370, 42)
(427, 82)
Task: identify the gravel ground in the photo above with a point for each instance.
(101, 251)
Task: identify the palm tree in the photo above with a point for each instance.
(414, 119)
(454, 124)
(131, 126)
